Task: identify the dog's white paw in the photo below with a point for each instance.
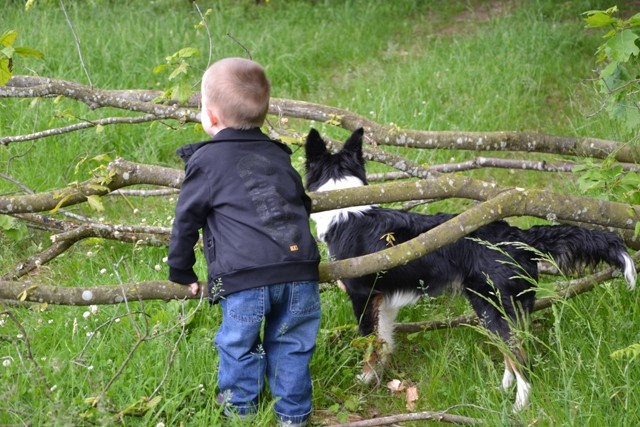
(522, 396)
(367, 377)
(507, 378)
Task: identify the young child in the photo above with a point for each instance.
(262, 259)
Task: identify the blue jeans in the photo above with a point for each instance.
(291, 314)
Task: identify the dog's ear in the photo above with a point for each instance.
(354, 143)
(315, 146)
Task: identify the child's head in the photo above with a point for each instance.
(235, 93)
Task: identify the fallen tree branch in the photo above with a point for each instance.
(98, 295)
(354, 267)
(41, 87)
(557, 206)
(6, 140)
(21, 86)
(474, 141)
(120, 173)
(442, 417)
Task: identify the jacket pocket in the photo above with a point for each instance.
(211, 249)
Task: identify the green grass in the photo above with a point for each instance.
(463, 65)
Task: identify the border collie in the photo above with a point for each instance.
(499, 284)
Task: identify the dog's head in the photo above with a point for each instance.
(326, 171)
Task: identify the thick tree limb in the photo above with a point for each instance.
(508, 203)
(82, 296)
(540, 203)
(38, 87)
(120, 173)
(475, 141)
(135, 100)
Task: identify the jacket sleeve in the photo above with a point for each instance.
(306, 201)
(192, 209)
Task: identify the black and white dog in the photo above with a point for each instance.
(493, 281)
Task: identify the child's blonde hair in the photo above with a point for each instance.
(239, 90)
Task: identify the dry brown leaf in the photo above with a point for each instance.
(396, 386)
(411, 396)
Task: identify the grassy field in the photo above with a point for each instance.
(462, 65)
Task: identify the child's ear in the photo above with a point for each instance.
(354, 143)
(315, 146)
(213, 117)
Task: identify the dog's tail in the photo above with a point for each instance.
(575, 247)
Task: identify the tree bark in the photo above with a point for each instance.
(21, 86)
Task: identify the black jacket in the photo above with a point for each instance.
(241, 189)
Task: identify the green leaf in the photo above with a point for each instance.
(102, 158)
(61, 202)
(12, 228)
(622, 46)
(141, 406)
(634, 21)
(8, 52)
(599, 18)
(8, 37)
(159, 68)
(188, 52)
(180, 69)
(630, 352)
(95, 203)
(5, 71)
(610, 70)
(182, 91)
(27, 51)
(29, 4)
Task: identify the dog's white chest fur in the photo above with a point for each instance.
(324, 220)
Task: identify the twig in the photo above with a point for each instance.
(240, 44)
(80, 126)
(172, 356)
(206, 27)
(27, 343)
(415, 416)
(139, 235)
(145, 193)
(102, 325)
(77, 42)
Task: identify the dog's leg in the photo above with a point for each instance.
(493, 319)
(523, 387)
(508, 377)
(387, 313)
(367, 311)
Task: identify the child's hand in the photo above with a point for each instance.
(194, 288)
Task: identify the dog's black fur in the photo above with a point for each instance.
(494, 281)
